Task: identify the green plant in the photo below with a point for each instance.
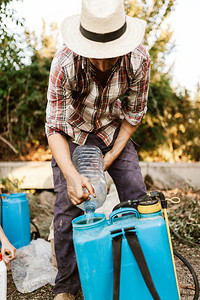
(9, 186)
(185, 220)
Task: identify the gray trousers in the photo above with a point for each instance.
(126, 174)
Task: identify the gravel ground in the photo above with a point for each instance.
(185, 279)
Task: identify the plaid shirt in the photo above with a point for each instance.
(78, 104)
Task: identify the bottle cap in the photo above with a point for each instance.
(149, 207)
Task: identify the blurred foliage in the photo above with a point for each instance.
(23, 99)
(158, 35)
(184, 218)
(23, 89)
(11, 52)
(8, 186)
(169, 131)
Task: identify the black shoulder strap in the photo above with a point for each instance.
(140, 259)
(116, 248)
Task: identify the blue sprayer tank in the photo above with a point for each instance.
(93, 247)
(16, 219)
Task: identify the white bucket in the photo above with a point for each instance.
(3, 279)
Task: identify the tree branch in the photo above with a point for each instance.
(8, 143)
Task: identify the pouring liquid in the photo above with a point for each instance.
(89, 217)
(90, 207)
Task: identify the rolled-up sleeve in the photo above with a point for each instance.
(134, 104)
(58, 98)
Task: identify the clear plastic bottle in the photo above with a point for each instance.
(88, 160)
(3, 279)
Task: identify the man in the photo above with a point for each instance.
(97, 95)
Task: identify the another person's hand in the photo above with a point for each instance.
(79, 188)
(8, 250)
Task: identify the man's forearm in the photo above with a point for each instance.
(125, 132)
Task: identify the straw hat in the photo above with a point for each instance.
(102, 30)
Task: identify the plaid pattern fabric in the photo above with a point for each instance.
(78, 104)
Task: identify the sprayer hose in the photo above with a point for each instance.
(194, 276)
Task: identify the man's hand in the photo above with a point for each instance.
(75, 181)
(79, 188)
(8, 251)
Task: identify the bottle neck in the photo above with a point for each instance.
(90, 206)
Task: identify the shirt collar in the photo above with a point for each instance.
(88, 68)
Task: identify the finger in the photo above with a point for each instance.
(13, 253)
(90, 188)
(9, 254)
(73, 197)
(85, 197)
(6, 259)
(9, 258)
(75, 200)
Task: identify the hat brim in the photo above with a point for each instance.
(76, 42)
